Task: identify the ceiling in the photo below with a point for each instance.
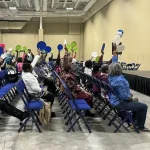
(26, 9)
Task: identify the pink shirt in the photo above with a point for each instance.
(19, 65)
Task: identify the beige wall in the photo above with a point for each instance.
(132, 16)
(54, 34)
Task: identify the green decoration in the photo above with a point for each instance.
(18, 47)
(24, 48)
(97, 59)
(26, 51)
(68, 47)
(13, 51)
(73, 44)
(75, 49)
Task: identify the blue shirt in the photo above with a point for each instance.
(115, 59)
(121, 89)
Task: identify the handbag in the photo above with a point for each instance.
(45, 113)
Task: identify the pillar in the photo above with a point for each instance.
(41, 28)
(81, 52)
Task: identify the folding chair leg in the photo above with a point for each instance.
(104, 117)
(122, 124)
(24, 123)
(113, 119)
(37, 118)
(34, 120)
(73, 124)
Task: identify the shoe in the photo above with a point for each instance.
(24, 116)
(144, 129)
(89, 114)
(53, 115)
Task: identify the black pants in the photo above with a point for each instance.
(50, 85)
(10, 110)
(49, 97)
(138, 107)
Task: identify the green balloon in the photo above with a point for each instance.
(18, 47)
(97, 59)
(73, 44)
(68, 47)
(26, 51)
(75, 49)
(13, 51)
(24, 48)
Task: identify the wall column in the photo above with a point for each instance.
(41, 28)
(81, 52)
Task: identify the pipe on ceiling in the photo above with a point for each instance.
(37, 5)
(44, 5)
(89, 5)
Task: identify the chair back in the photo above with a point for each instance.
(20, 86)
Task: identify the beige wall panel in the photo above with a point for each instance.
(130, 15)
(28, 40)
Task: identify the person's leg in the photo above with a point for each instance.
(141, 109)
(49, 97)
(50, 85)
(12, 111)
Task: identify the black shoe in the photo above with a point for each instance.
(144, 129)
(24, 116)
(53, 115)
(89, 114)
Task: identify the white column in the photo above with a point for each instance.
(41, 28)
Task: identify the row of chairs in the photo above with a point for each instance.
(132, 66)
(102, 104)
(73, 109)
(7, 90)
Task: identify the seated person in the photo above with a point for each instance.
(77, 91)
(33, 85)
(122, 98)
(88, 67)
(101, 74)
(19, 64)
(12, 111)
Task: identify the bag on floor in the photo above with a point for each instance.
(45, 113)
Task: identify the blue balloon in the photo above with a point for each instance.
(41, 45)
(103, 47)
(48, 49)
(1, 50)
(59, 47)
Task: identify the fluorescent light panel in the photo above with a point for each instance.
(12, 8)
(69, 8)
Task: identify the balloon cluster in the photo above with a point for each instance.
(117, 43)
(47, 49)
(72, 46)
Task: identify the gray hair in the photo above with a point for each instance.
(115, 69)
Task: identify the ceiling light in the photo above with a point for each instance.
(69, 8)
(12, 8)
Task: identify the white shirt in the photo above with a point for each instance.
(31, 83)
(88, 71)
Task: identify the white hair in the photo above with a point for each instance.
(115, 69)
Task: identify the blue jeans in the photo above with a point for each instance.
(139, 107)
